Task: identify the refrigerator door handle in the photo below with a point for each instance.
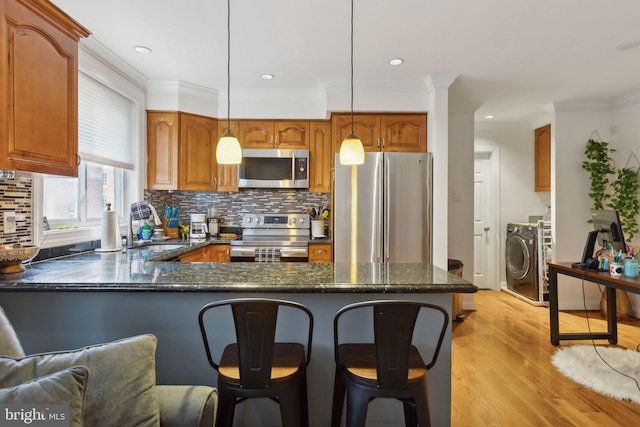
(387, 210)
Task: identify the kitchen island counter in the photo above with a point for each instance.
(134, 271)
(91, 298)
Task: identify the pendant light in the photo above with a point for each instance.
(228, 151)
(351, 150)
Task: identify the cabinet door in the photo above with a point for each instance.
(227, 179)
(162, 150)
(404, 132)
(197, 164)
(320, 252)
(543, 158)
(320, 157)
(365, 126)
(38, 102)
(219, 253)
(291, 134)
(256, 134)
(196, 255)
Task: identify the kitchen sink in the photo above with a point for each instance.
(158, 247)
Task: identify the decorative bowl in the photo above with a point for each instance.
(12, 257)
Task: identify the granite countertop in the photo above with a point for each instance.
(149, 270)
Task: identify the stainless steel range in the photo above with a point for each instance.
(272, 237)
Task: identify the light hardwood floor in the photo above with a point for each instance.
(502, 371)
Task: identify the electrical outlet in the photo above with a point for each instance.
(9, 222)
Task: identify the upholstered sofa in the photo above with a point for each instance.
(111, 384)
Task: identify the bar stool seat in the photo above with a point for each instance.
(256, 366)
(288, 358)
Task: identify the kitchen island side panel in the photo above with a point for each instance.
(47, 321)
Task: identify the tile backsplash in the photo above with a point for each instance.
(230, 206)
(16, 196)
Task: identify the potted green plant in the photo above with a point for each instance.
(600, 166)
(624, 199)
(621, 194)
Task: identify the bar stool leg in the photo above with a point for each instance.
(338, 400)
(357, 404)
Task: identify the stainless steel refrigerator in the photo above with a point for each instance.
(382, 209)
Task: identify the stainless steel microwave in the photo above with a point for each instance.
(274, 168)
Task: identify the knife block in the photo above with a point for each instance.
(169, 232)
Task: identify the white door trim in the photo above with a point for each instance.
(494, 155)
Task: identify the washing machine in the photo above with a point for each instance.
(521, 259)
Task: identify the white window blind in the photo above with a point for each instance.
(105, 124)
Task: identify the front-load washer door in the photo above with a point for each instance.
(517, 257)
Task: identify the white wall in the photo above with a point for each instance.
(574, 125)
(518, 198)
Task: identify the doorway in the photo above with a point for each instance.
(486, 218)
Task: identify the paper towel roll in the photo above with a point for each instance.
(111, 240)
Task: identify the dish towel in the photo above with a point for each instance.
(267, 255)
(140, 210)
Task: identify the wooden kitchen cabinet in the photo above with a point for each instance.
(196, 255)
(320, 252)
(320, 157)
(388, 132)
(542, 138)
(274, 134)
(181, 151)
(219, 253)
(197, 167)
(39, 96)
(163, 134)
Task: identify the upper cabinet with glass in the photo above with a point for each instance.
(39, 70)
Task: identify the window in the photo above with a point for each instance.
(105, 144)
(74, 202)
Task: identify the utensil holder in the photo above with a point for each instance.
(169, 232)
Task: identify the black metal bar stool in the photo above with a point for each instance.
(390, 367)
(257, 366)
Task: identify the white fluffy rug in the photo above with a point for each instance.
(582, 364)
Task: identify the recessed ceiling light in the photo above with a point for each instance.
(629, 45)
(396, 61)
(142, 49)
(490, 116)
(267, 76)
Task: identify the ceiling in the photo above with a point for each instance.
(512, 57)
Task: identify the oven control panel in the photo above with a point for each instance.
(287, 220)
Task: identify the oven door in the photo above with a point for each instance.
(269, 254)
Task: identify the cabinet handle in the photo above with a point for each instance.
(382, 144)
(276, 144)
(215, 182)
(78, 159)
(378, 144)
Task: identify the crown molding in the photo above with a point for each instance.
(96, 49)
(503, 126)
(439, 81)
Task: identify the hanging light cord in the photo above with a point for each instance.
(352, 67)
(228, 65)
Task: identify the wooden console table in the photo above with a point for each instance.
(602, 278)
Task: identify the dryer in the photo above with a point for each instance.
(521, 259)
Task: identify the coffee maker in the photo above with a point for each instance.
(198, 227)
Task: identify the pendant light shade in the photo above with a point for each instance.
(228, 151)
(351, 150)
